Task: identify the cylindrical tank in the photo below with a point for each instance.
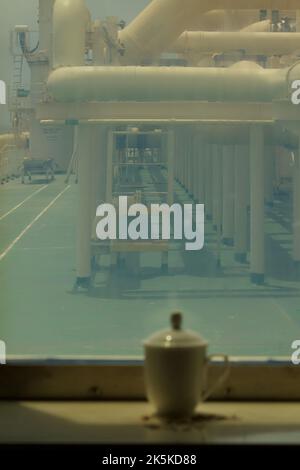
(70, 22)
(45, 26)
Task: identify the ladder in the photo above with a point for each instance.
(16, 78)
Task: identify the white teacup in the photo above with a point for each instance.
(176, 368)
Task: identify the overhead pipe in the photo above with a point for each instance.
(263, 26)
(82, 84)
(207, 59)
(231, 20)
(153, 31)
(162, 21)
(224, 20)
(156, 28)
(250, 42)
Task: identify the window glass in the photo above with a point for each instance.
(149, 164)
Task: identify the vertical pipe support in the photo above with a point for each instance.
(228, 195)
(208, 182)
(85, 170)
(241, 203)
(217, 186)
(257, 198)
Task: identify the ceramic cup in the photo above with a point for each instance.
(176, 366)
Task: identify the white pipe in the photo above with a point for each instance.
(162, 21)
(257, 204)
(224, 20)
(167, 83)
(70, 22)
(241, 202)
(156, 28)
(250, 42)
(258, 27)
(207, 60)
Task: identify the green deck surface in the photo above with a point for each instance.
(40, 315)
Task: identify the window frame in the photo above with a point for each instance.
(101, 378)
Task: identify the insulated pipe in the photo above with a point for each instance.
(257, 204)
(224, 20)
(162, 22)
(156, 28)
(244, 81)
(207, 60)
(251, 42)
(228, 195)
(258, 27)
(241, 203)
(70, 22)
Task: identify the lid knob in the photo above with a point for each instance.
(176, 320)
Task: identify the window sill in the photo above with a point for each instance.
(124, 423)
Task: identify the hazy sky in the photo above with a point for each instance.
(26, 12)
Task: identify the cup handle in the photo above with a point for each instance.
(221, 380)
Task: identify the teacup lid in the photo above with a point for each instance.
(176, 337)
